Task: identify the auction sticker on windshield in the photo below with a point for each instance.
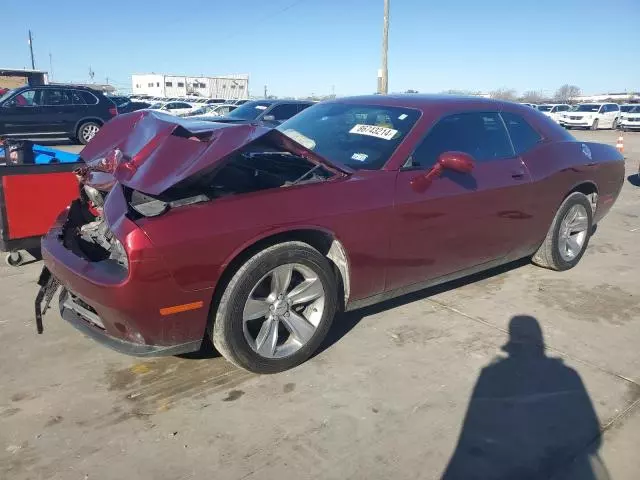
(374, 131)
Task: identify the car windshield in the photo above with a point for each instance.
(588, 107)
(634, 109)
(545, 108)
(249, 111)
(358, 136)
(627, 108)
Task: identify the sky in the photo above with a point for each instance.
(303, 47)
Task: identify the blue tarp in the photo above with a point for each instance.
(45, 155)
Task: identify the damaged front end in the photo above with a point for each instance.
(166, 162)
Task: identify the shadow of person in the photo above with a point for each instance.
(529, 417)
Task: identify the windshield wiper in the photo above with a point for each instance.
(302, 177)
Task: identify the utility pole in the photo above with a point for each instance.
(383, 74)
(50, 66)
(265, 91)
(33, 62)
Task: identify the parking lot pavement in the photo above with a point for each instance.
(407, 389)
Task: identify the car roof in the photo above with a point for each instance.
(423, 101)
(280, 100)
(60, 85)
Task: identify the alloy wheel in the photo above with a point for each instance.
(283, 310)
(89, 131)
(573, 232)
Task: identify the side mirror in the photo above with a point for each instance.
(455, 161)
(269, 118)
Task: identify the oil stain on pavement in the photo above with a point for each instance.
(157, 385)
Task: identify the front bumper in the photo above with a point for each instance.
(85, 321)
(121, 307)
(630, 125)
(576, 123)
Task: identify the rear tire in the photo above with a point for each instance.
(87, 131)
(233, 334)
(555, 252)
(595, 125)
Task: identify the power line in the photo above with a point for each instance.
(265, 17)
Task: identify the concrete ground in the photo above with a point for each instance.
(412, 388)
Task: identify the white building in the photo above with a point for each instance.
(160, 85)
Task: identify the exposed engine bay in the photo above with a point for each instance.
(88, 236)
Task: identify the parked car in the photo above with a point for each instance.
(133, 106)
(210, 111)
(532, 105)
(269, 112)
(554, 110)
(592, 115)
(54, 111)
(256, 236)
(176, 108)
(631, 119)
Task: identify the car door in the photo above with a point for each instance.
(460, 220)
(22, 114)
(614, 113)
(59, 112)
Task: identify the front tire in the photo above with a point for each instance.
(614, 125)
(568, 236)
(277, 309)
(595, 125)
(87, 131)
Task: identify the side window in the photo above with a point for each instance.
(89, 98)
(602, 109)
(481, 135)
(523, 136)
(302, 106)
(181, 105)
(55, 97)
(614, 107)
(284, 111)
(25, 99)
(563, 108)
(170, 106)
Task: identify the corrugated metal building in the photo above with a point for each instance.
(160, 85)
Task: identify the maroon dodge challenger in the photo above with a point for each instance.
(257, 237)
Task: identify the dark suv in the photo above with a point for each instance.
(54, 111)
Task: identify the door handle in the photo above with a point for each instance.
(518, 173)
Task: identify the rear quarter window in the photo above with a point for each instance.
(523, 136)
(81, 97)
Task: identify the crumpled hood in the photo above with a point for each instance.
(159, 150)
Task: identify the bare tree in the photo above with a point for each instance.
(532, 96)
(503, 94)
(566, 93)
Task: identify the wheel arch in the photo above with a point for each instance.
(321, 239)
(589, 189)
